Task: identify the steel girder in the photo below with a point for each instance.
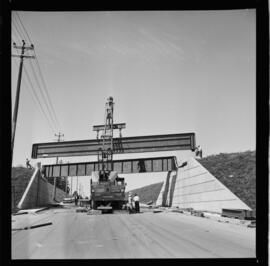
(141, 165)
(169, 142)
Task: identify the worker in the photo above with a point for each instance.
(76, 199)
(137, 202)
(43, 171)
(200, 151)
(28, 165)
(130, 203)
(141, 166)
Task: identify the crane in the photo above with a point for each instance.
(107, 190)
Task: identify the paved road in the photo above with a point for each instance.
(146, 235)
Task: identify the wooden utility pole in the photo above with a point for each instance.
(59, 135)
(16, 107)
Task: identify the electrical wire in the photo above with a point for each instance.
(36, 97)
(33, 94)
(16, 34)
(48, 99)
(24, 29)
(42, 94)
(18, 28)
(45, 88)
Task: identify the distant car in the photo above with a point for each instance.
(69, 200)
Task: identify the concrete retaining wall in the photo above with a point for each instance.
(39, 193)
(198, 189)
(166, 194)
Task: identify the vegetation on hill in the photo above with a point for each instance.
(148, 193)
(237, 171)
(20, 177)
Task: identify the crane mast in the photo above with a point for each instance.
(105, 157)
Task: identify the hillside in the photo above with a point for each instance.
(19, 180)
(237, 171)
(148, 193)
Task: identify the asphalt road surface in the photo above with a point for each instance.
(120, 235)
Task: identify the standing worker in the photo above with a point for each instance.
(76, 199)
(137, 202)
(28, 165)
(130, 206)
(200, 151)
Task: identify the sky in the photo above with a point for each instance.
(168, 72)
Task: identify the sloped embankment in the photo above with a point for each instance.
(148, 193)
(19, 180)
(237, 171)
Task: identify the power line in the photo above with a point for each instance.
(39, 103)
(42, 94)
(19, 29)
(40, 73)
(34, 95)
(23, 27)
(51, 108)
(45, 89)
(16, 34)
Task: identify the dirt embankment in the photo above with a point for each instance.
(19, 180)
(237, 171)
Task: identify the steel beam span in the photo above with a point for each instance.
(184, 141)
(142, 165)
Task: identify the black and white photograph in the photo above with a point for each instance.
(133, 134)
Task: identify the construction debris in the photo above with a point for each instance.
(177, 210)
(197, 213)
(31, 227)
(20, 213)
(239, 214)
(56, 205)
(157, 211)
(252, 224)
(82, 209)
(26, 211)
(93, 212)
(84, 202)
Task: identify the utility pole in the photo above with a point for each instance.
(71, 189)
(16, 107)
(59, 135)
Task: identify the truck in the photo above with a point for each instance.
(107, 189)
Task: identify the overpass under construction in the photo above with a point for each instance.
(184, 185)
